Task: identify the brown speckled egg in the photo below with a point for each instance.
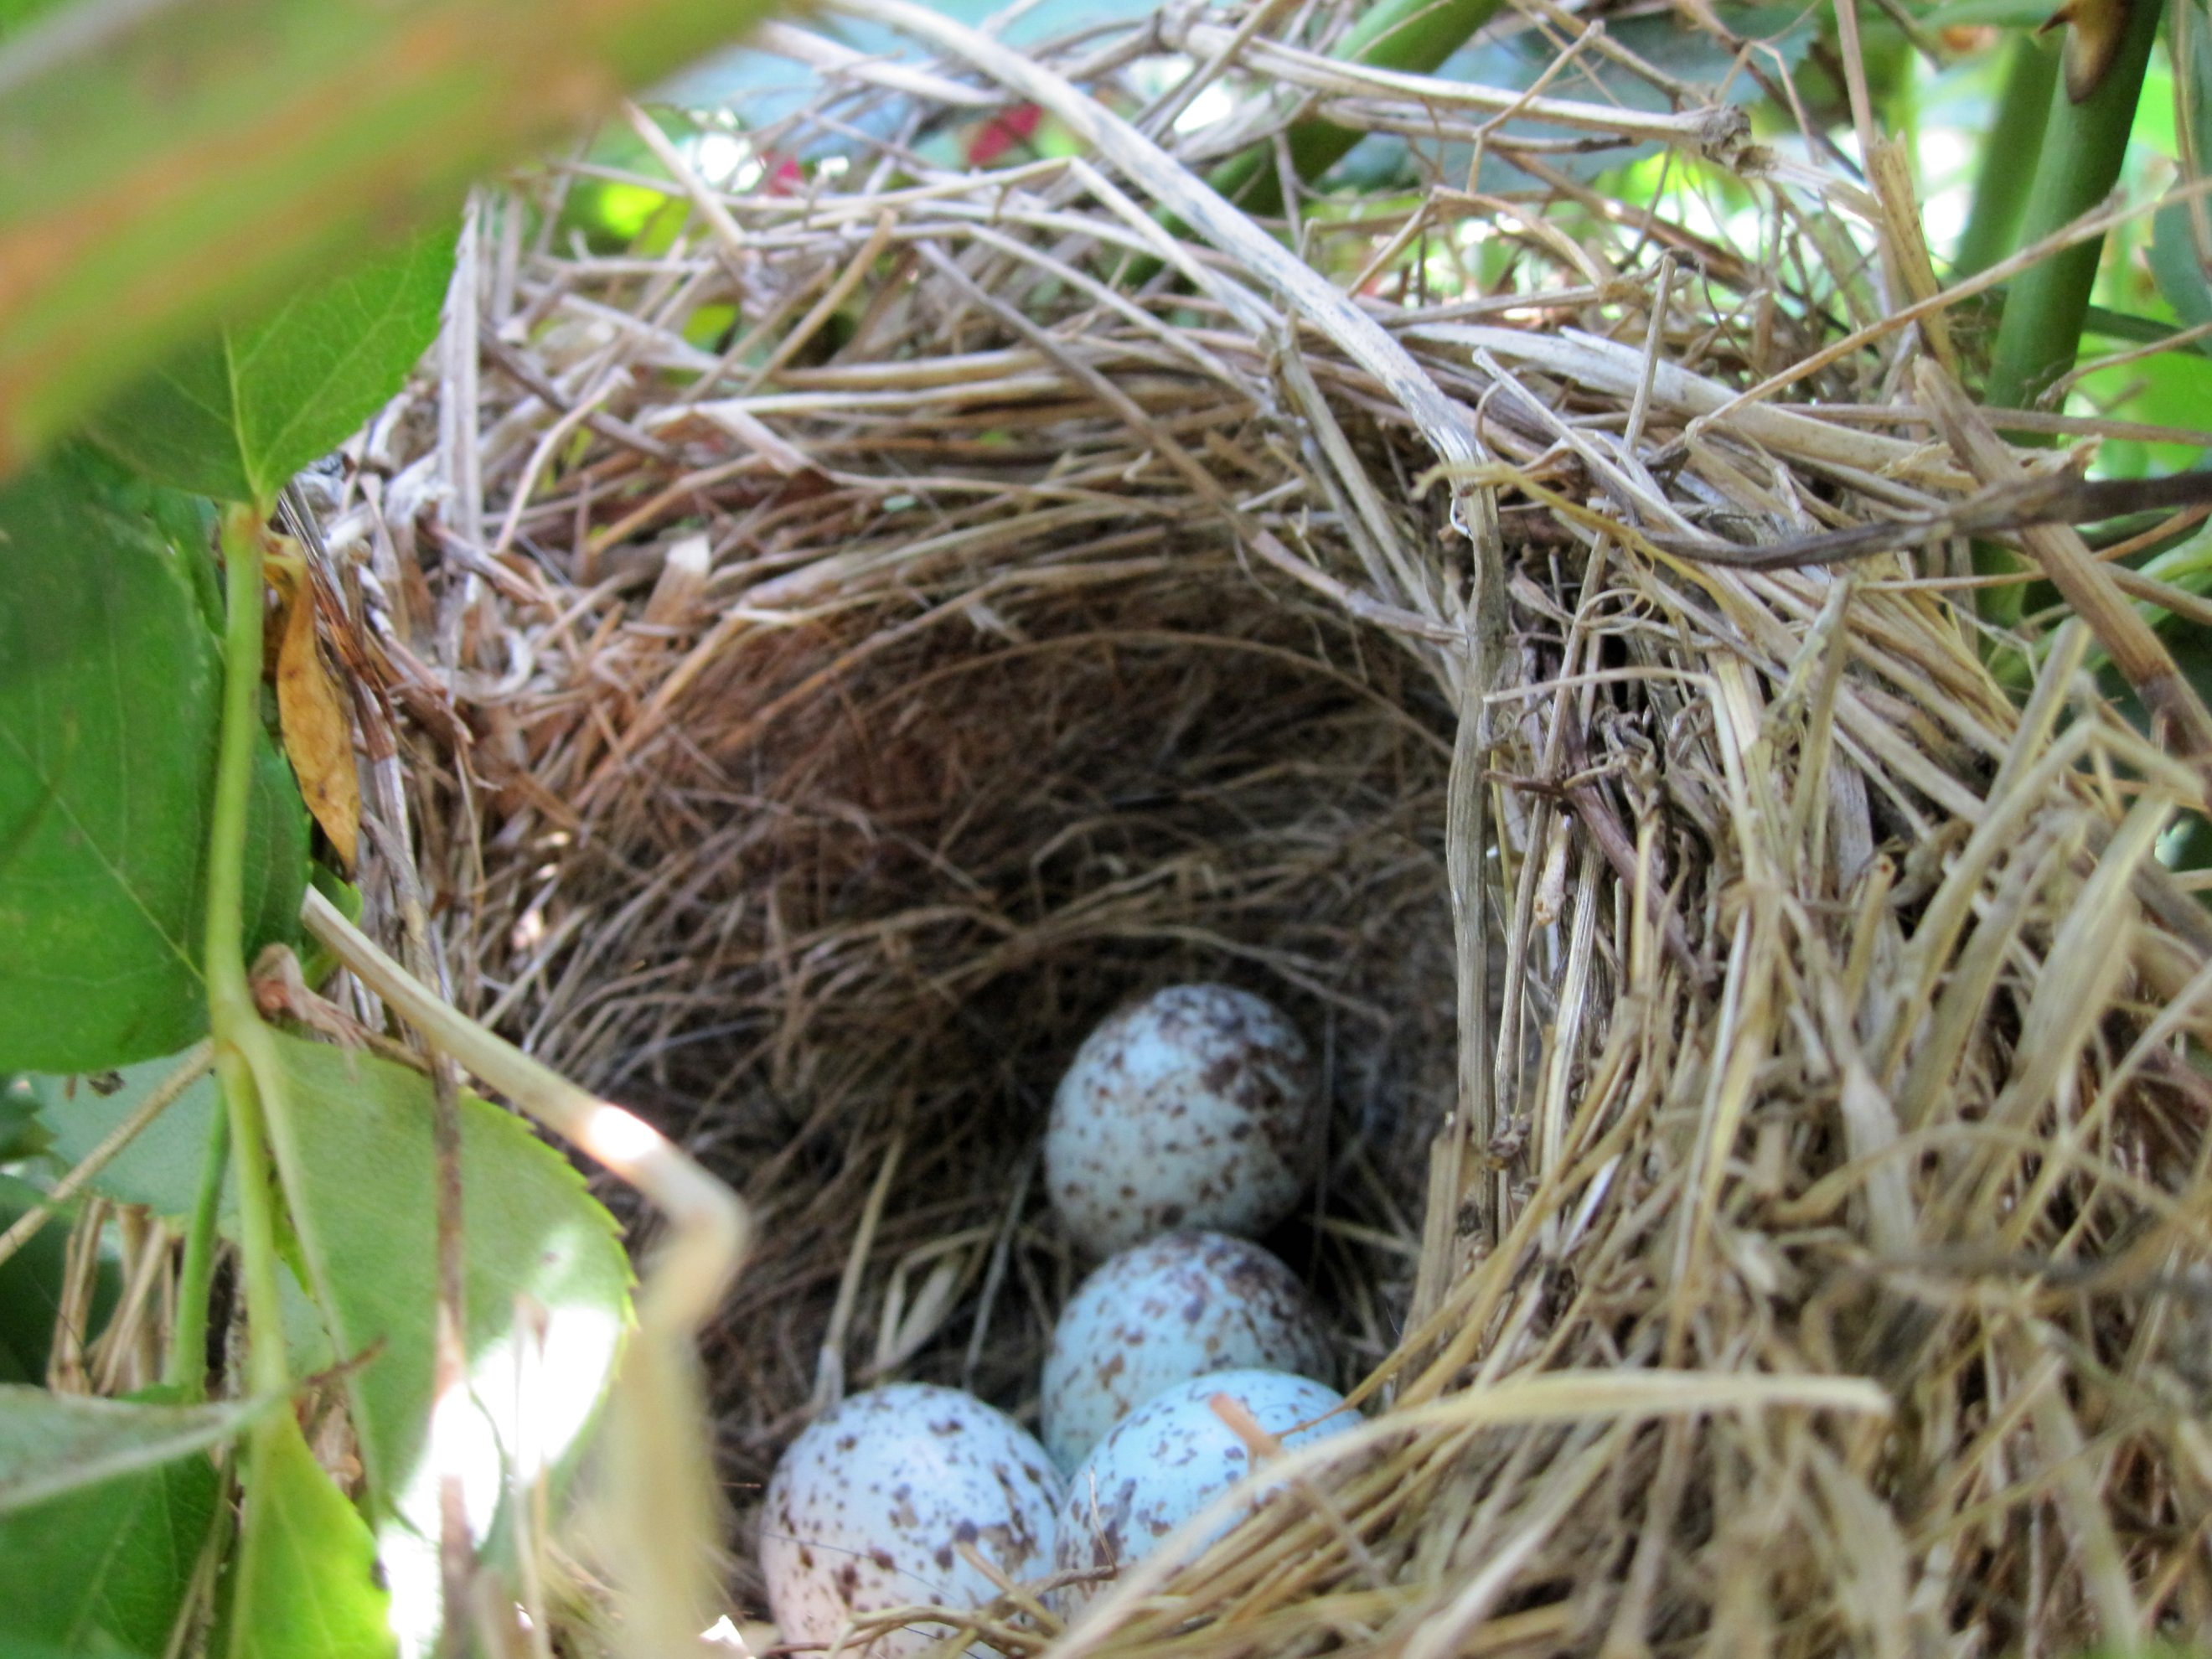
(1173, 1308)
(1194, 1108)
(868, 1507)
(1169, 1459)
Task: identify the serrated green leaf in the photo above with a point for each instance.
(355, 1153)
(107, 1569)
(109, 683)
(53, 1444)
(235, 414)
(305, 1585)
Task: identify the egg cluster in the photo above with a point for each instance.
(1184, 1119)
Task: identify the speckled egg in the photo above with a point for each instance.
(1195, 1108)
(1171, 1458)
(869, 1505)
(1176, 1307)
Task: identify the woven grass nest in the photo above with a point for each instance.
(1766, 1207)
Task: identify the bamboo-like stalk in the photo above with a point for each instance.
(2082, 152)
(2010, 153)
(2083, 148)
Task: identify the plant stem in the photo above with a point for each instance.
(2084, 146)
(187, 1366)
(239, 1037)
(2009, 155)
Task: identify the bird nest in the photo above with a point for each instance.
(837, 647)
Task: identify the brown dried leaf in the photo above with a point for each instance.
(316, 737)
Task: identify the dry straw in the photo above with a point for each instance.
(822, 665)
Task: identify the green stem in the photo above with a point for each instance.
(239, 1037)
(187, 1367)
(2084, 146)
(2009, 156)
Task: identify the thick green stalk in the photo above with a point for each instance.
(240, 1039)
(2084, 146)
(2009, 154)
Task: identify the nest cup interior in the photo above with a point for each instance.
(932, 878)
(996, 738)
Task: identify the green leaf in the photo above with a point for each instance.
(109, 684)
(18, 14)
(54, 1444)
(2174, 263)
(234, 415)
(354, 1150)
(107, 1567)
(160, 1167)
(305, 1585)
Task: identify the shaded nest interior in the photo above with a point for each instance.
(830, 654)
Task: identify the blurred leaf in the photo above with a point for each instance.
(1523, 60)
(16, 14)
(56, 1443)
(2172, 388)
(2193, 91)
(359, 1174)
(236, 415)
(107, 1567)
(2173, 262)
(2006, 14)
(175, 163)
(109, 683)
(306, 1574)
(160, 1167)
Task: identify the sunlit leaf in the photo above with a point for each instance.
(235, 414)
(547, 1282)
(306, 1576)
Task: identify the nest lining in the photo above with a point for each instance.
(1764, 1145)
